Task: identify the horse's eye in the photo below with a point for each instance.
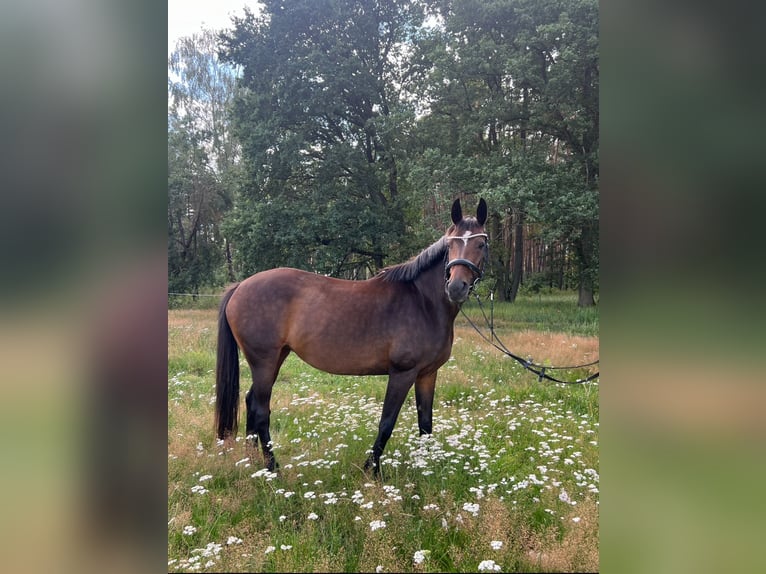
(482, 245)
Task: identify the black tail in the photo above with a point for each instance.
(226, 374)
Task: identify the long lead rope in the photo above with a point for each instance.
(539, 370)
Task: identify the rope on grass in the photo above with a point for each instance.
(539, 370)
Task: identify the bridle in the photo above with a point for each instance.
(475, 269)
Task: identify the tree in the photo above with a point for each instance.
(360, 121)
(512, 94)
(320, 119)
(568, 110)
(202, 163)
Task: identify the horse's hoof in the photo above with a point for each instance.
(370, 464)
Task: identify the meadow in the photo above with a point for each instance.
(509, 480)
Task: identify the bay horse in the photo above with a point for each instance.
(398, 323)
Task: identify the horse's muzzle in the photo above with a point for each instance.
(457, 290)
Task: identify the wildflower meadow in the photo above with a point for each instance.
(508, 481)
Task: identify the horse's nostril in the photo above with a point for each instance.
(457, 290)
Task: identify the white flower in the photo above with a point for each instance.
(264, 472)
(576, 519)
(313, 516)
(282, 518)
(420, 556)
(189, 530)
(269, 549)
(286, 546)
(488, 566)
(471, 507)
(378, 568)
(496, 544)
(205, 477)
(233, 540)
(309, 494)
(375, 524)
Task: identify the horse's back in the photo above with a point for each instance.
(335, 325)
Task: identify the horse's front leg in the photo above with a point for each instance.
(399, 384)
(424, 398)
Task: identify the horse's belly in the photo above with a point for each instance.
(340, 359)
(370, 356)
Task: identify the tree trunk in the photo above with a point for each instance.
(499, 257)
(518, 255)
(561, 262)
(229, 265)
(584, 249)
(585, 295)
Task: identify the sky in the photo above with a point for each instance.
(185, 17)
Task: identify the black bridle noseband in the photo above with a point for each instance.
(475, 269)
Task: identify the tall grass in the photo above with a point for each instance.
(510, 474)
(547, 313)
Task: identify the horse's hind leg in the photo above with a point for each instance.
(250, 432)
(258, 401)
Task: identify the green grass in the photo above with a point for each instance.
(547, 313)
(518, 450)
(207, 299)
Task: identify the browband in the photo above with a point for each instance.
(465, 238)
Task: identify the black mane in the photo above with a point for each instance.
(430, 256)
(410, 270)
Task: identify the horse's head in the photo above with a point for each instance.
(468, 251)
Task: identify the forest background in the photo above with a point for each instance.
(333, 136)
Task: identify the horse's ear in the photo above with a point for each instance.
(457, 212)
(481, 212)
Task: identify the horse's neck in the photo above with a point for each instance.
(431, 285)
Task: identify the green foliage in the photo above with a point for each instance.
(360, 122)
(512, 88)
(202, 163)
(320, 123)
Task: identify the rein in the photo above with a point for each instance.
(539, 370)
